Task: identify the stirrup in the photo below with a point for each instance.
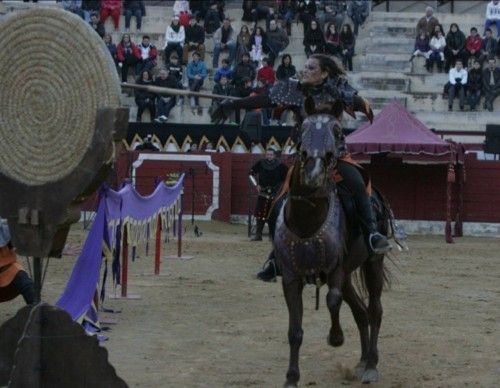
(381, 249)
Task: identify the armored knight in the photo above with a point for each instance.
(322, 88)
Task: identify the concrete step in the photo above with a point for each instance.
(383, 62)
(380, 81)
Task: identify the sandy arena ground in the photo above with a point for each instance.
(209, 323)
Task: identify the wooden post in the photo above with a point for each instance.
(179, 232)
(450, 179)
(124, 262)
(158, 246)
(37, 277)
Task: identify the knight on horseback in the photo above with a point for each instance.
(321, 86)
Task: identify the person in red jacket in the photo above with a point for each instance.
(127, 55)
(147, 60)
(473, 45)
(111, 8)
(266, 72)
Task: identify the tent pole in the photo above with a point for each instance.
(450, 175)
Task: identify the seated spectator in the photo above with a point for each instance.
(422, 47)
(111, 47)
(198, 9)
(195, 40)
(134, 8)
(314, 41)
(488, 46)
(223, 71)
(277, 41)
(196, 74)
(144, 99)
(258, 44)
(437, 45)
(493, 16)
(242, 89)
(491, 84)
(174, 67)
(89, 7)
(358, 11)
(97, 25)
(347, 43)
(242, 43)
(147, 145)
(174, 38)
(306, 10)
(428, 22)
(262, 87)
(455, 46)
(111, 8)
(286, 11)
(148, 56)
(244, 70)
(248, 6)
(224, 39)
(474, 85)
(286, 69)
(164, 104)
(439, 27)
(457, 82)
(182, 11)
(266, 73)
(128, 55)
(334, 12)
(223, 87)
(74, 6)
(332, 40)
(212, 19)
(472, 46)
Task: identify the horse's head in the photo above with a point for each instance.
(318, 150)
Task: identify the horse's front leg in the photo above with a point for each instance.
(334, 301)
(293, 296)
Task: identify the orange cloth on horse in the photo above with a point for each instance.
(9, 267)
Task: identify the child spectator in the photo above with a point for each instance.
(491, 84)
(266, 73)
(428, 22)
(174, 67)
(164, 104)
(174, 38)
(455, 44)
(314, 41)
(437, 45)
(194, 40)
(223, 87)
(148, 56)
(224, 38)
(111, 47)
(111, 8)
(332, 40)
(488, 46)
(196, 74)
(457, 82)
(242, 43)
(472, 46)
(474, 85)
(258, 42)
(493, 15)
(134, 8)
(286, 69)
(347, 43)
(97, 25)
(422, 47)
(128, 54)
(144, 99)
(223, 71)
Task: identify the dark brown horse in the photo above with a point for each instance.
(315, 243)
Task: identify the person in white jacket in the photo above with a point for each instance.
(493, 15)
(437, 45)
(174, 39)
(458, 80)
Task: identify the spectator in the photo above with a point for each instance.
(164, 104)
(422, 47)
(111, 47)
(347, 43)
(334, 12)
(491, 84)
(212, 19)
(244, 70)
(472, 46)
(144, 99)
(97, 25)
(242, 89)
(314, 41)
(493, 15)
(242, 43)
(223, 87)
(74, 6)
(358, 11)
(266, 72)
(258, 44)
(195, 40)
(174, 67)
(147, 145)
(182, 11)
(111, 8)
(332, 40)
(148, 56)
(198, 9)
(262, 87)
(286, 11)
(224, 38)
(128, 54)
(455, 43)
(89, 7)
(174, 38)
(306, 10)
(286, 69)
(134, 8)
(457, 82)
(488, 46)
(474, 85)
(277, 41)
(437, 45)
(224, 71)
(196, 74)
(428, 22)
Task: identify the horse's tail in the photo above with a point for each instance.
(360, 277)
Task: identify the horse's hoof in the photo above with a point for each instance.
(370, 376)
(359, 370)
(335, 340)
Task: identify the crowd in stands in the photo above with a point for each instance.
(470, 62)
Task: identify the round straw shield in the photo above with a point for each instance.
(55, 73)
